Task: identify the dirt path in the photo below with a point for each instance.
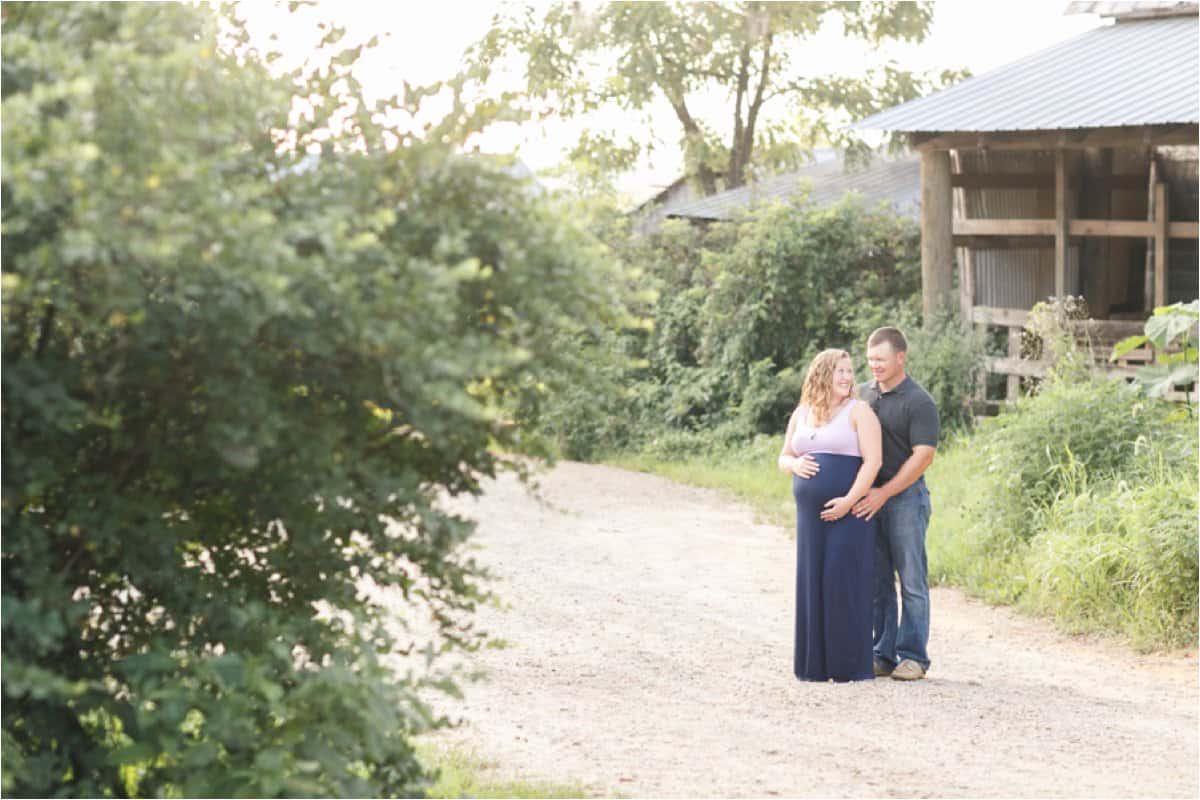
(649, 631)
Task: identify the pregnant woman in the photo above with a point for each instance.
(835, 551)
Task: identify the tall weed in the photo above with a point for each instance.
(1121, 558)
(1082, 505)
(1095, 424)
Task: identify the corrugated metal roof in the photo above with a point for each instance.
(894, 181)
(1134, 9)
(1130, 73)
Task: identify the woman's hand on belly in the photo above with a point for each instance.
(836, 508)
(805, 466)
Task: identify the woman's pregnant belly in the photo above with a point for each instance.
(834, 479)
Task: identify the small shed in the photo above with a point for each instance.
(1071, 172)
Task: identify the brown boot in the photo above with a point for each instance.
(908, 670)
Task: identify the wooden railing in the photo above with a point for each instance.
(1097, 334)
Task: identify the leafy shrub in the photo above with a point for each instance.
(769, 398)
(786, 289)
(1096, 423)
(1080, 503)
(948, 360)
(236, 381)
(1121, 557)
(741, 306)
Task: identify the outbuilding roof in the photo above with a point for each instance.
(895, 181)
(1131, 73)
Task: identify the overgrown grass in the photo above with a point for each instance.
(961, 552)
(747, 471)
(462, 773)
(1081, 505)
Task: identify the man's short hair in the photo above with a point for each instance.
(891, 336)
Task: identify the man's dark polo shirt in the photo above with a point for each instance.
(908, 417)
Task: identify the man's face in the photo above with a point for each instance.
(886, 364)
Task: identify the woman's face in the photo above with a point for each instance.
(843, 378)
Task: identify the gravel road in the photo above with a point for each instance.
(649, 654)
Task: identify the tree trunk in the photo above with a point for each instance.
(742, 146)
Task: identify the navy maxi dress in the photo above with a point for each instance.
(835, 561)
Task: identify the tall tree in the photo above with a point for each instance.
(629, 55)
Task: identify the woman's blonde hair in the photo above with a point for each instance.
(817, 393)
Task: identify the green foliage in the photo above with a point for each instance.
(745, 468)
(235, 382)
(1096, 424)
(786, 289)
(1171, 331)
(736, 310)
(1122, 557)
(1080, 503)
(630, 56)
(948, 360)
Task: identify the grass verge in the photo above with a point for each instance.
(747, 472)
(462, 773)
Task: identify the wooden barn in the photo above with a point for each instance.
(1071, 172)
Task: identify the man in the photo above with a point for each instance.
(908, 418)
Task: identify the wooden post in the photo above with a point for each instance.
(1094, 201)
(1012, 391)
(937, 232)
(1161, 264)
(965, 257)
(1148, 282)
(1061, 222)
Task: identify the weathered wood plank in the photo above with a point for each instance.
(1017, 366)
(1005, 317)
(1004, 227)
(1010, 233)
(1183, 230)
(1131, 228)
(1040, 180)
(1004, 242)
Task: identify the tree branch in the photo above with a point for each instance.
(691, 129)
(736, 164)
(757, 104)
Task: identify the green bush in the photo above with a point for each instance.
(948, 360)
(1081, 503)
(768, 399)
(787, 287)
(1121, 557)
(236, 380)
(736, 311)
(1095, 423)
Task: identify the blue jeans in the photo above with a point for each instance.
(900, 548)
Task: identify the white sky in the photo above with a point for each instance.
(423, 42)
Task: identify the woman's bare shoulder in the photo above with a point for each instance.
(862, 410)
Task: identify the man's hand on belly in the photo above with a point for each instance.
(871, 502)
